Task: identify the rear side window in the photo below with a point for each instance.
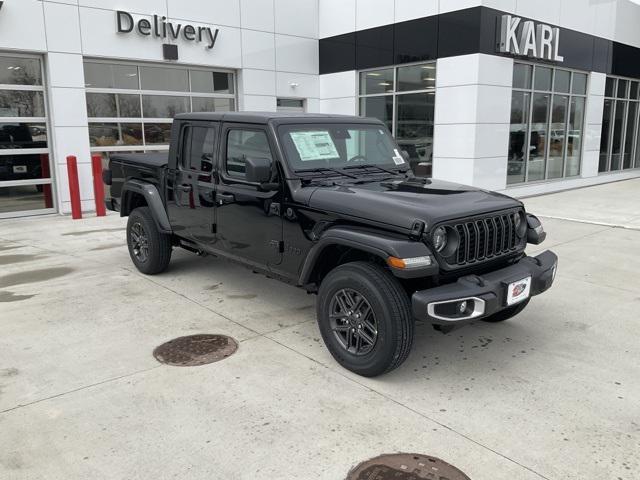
(199, 146)
(243, 144)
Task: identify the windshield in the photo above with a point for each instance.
(336, 146)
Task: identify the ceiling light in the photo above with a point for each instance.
(384, 84)
(428, 67)
(373, 74)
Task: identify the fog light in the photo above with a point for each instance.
(462, 306)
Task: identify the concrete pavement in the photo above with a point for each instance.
(551, 394)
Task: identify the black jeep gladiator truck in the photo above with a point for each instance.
(328, 203)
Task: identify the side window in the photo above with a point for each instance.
(242, 144)
(198, 151)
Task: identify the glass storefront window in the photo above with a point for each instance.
(106, 75)
(547, 124)
(164, 79)
(20, 71)
(162, 106)
(543, 77)
(574, 136)
(206, 104)
(115, 134)
(379, 81)
(620, 136)
(378, 107)
(416, 77)
(522, 75)
(140, 118)
(562, 81)
(404, 99)
(21, 103)
(25, 163)
(113, 105)
(557, 136)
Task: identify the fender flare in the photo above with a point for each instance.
(154, 201)
(376, 243)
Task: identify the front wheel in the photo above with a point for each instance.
(150, 249)
(507, 313)
(364, 316)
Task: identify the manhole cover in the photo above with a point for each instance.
(195, 350)
(406, 466)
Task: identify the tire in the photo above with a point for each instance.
(391, 317)
(153, 255)
(507, 313)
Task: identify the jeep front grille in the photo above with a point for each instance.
(484, 239)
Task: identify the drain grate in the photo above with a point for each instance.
(406, 466)
(195, 350)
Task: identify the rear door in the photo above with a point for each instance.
(249, 221)
(191, 202)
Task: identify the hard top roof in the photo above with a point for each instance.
(274, 117)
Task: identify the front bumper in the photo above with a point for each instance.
(487, 292)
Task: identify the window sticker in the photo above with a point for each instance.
(314, 145)
(397, 158)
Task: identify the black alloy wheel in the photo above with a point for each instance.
(353, 322)
(139, 242)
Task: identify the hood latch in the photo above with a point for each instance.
(417, 229)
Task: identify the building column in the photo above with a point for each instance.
(472, 117)
(593, 124)
(69, 133)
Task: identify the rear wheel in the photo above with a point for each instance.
(150, 249)
(365, 318)
(507, 313)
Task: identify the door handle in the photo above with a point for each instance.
(185, 187)
(225, 198)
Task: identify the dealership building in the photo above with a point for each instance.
(519, 96)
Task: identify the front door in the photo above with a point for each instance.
(191, 205)
(249, 221)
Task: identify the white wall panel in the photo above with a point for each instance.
(225, 54)
(258, 50)
(342, 106)
(373, 13)
(313, 105)
(148, 7)
(459, 170)
(254, 103)
(451, 5)
(297, 17)
(542, 10)
(68, 107)
(257, 15)
(22, 26)
(257, 82)
(219, 12)
(295, 54)
(336, 17)
(336, 85)
(62, 26)
(490, 173)
(411, 9)
(65, 70)
(627, 27)
(578, 15)
(297, 85)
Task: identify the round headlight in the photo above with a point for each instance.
(519, 224)
(439, 238)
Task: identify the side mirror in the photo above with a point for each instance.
(257, 170)
(405, 155)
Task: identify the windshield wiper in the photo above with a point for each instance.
(372, 165)
(324, 169)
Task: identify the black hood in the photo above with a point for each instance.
(400, 203)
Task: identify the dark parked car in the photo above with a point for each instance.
(329, 204)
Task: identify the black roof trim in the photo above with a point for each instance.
(264, 118)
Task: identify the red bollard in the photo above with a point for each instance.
(98, 186)
(74, 187)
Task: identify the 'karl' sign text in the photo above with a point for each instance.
(161, 28)
(528, 39)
